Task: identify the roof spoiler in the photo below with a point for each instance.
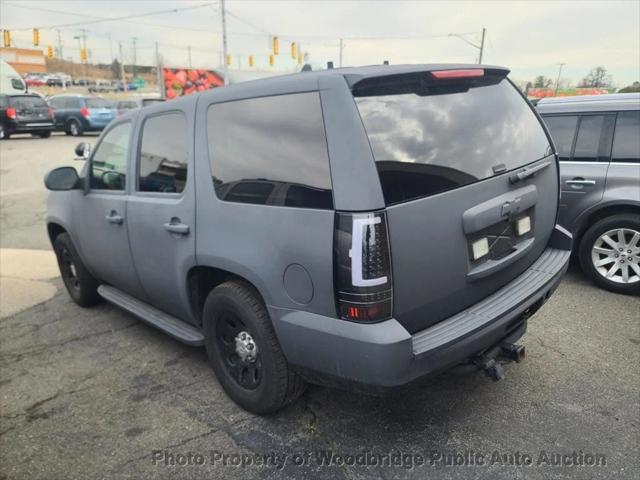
(429, 82)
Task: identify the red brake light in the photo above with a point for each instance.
(11, 113)
(465, 73)
(84, 112)
(362, 267)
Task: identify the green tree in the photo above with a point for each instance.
(634, 87)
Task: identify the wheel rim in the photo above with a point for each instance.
(1, 132)
(616, 255)
(238, 351)
(74, 128)
(68, 270)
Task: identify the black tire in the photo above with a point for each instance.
(45, 134)
(630, 254)
(75, 128)
(235, 307)
(82, 287)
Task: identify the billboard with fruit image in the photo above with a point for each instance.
(185, 81)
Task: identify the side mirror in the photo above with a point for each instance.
(83, 150)
(62, 178)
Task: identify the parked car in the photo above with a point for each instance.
(25, 113)
(53, 81)
(102, 86)
(84, 82)
(123, 106)
(124, 87)
(76, 114)
(598, 141)
(35, 80)
(363, 227)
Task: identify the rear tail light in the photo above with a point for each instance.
(11, 113)
(362, 267)
(462, 73)
(84, 112)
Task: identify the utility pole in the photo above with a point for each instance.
(84, 46)
(159, 72)
(60, 52)
(135, 55)
(484, 31)
(122, 77)
(225, 68)
(189, 53)
(110, 47)
(555, 94)
(341, 49)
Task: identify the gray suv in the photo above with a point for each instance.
(598, 143)
(363, 227)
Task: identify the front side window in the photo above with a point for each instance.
(164, 153)
(563, 131)
(109, 162)
(270, 151)
(626, 140)
(427, 140)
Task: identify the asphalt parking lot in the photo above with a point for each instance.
(97, 394)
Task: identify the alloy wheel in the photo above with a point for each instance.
(616, 255)
(69, 272)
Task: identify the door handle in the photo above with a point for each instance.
(174, 226)
(114, 218)
(580, 182)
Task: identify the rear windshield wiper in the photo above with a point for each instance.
(528, 172)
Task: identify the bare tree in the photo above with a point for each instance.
(597, 78)
(542, 82)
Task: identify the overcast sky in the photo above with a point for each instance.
(528, 37)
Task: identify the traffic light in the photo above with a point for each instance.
(276, 46)
(83, 54)
(228, 59)
(49, 52)
(6, 35)
(271, 60)
(294, 50)
(251, 60)
(36, 37)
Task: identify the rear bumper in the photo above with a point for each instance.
(382, 355)
(27, 127)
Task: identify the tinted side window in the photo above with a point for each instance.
(563, 130)
(72, 103)
(592, 143)
(164, 150)
(261, 147)
(109, 162)
(56, 102)
(626, 140)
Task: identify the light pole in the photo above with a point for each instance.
(479, 47)
(555, 94)
(225, 69)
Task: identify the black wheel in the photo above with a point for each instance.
(45, 134)
(74, 128)
(80, 284)
(610, 253)
(244, 351)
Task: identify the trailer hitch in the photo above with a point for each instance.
(489, 361)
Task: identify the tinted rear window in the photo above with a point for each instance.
(425, 143)
(151, 101)
(626, 141)
(27, 102)
(261, 147)
(97, 103)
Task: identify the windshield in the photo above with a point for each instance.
(27, 102)
(97, 103)
(424, 144)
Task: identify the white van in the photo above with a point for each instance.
(10, 80)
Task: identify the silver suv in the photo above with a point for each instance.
(363, 227)
(598, 142)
